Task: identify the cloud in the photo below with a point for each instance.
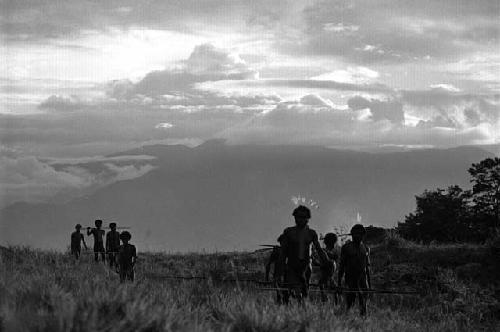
(177, 85)
(340, 27)
(362, 31)
(96, 159)
(31, 179)
(459, 110)
(368, 124)
(351, 75)
(391, 110)
(61, 103)
(164, 125)
(446, 87)
(35, 20)
(315, 100)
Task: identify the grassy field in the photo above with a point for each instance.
(48, 291)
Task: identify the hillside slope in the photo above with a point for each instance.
(47, 291)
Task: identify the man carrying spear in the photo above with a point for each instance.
(295, 254)
(355, 265)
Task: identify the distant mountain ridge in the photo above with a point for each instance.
(222, 197)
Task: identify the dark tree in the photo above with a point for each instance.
(486, 190)
(441, 215)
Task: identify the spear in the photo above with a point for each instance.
(89, 252)
(174, 277)
(107, 227)
(347, 290)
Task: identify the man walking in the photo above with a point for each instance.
(76, 241)
(98, 234)
(112, 244)
(295, 255)
(355, 265)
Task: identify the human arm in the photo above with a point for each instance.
(134, 256)
(108, 243)
(368, 273)
(323, 258)
(280, 262)
(341, 268)
(268, 266)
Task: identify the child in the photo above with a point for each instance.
(76, 240)
(98, 234)
(327, 281)
(127, 256)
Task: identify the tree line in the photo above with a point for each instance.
(455, 214)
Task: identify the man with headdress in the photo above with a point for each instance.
(98, 234)
(295, 255)
(112, 244)
(355, 265)
(76, 241)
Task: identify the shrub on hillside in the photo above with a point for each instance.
(394, 240)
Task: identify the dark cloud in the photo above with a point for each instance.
(33, 20)
(61, 103)
(366, 31)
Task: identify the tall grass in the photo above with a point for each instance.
(48, 291)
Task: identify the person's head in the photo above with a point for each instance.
(98, 223)
(330, 240)
(358, 233)
(112, 226)
(302, 215)
(78, 227)
(125, 236)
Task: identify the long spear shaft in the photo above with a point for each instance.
(344, 290)
(107, 227)
(206, 278)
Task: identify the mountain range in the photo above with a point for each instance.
(219, 197)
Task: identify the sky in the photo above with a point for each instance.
(83, 79)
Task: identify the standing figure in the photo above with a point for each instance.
(98, 234)
(327, 281)
(272, 262)
(112, 244)
(355, 264)
(127, 256)
(76, 241)
(295, 257)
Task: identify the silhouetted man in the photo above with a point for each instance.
(326, 281)
(76, 241)
(112, 244)
(355, 264)
(295, 258)
(127, 256)
(273, 262)
(98, 234)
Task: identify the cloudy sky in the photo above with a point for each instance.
(83, 79)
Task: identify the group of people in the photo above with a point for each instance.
(122, 257)
(299, 248)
